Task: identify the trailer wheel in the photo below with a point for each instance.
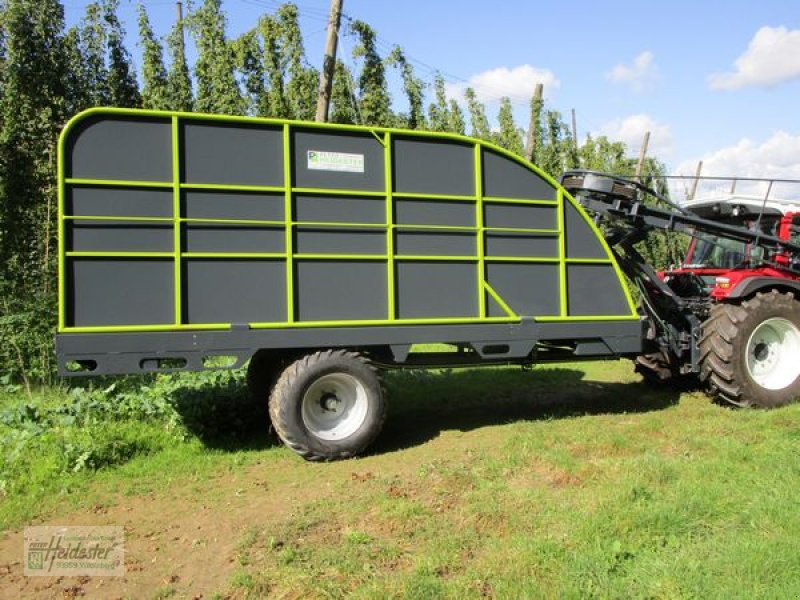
(328, 405)
(750, 353)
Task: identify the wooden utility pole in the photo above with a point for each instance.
(533, 126)
(329, 62)
(574, 131)
(642, 155)
(696, 180)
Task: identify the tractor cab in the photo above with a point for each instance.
(715, 264)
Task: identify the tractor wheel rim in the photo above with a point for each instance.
(334, 406)
(773, 353)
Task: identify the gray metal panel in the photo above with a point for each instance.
(232, 205)
(339, 290)
(129, 149)
(339, 209)
(506, 178)
(102, 236)
(118, 202)
(233, 238)
(433, 167)
(120, 291)
(533, 216)
(435, 243)
(436, 289)
(582, 242)
(234, 291)
(595, 290)
(431, 212)
(372, 179)
(242, 154)
(521, 244)
(309, 240)
(529, 289)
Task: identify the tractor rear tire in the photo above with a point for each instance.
(750, 353)
(328, 405)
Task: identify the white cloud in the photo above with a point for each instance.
(517, 83)
(772, 57)
(778, 158)
(641, 75)
(631, 130)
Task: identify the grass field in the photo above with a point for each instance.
(572, 481)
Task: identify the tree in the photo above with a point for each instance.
(275, 104)
(250, 64)
(509, 136)
(455, 119)
(373, 94)
(414, 88)
(302, 81)
(155, 93)
(179, 83)
(93, 52)
(122, 86)
(477, 116)
(344, 108)
(439, 111)
(217, 89)
(32, 110)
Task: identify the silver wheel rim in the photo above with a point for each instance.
(334, 406)
(773, 354)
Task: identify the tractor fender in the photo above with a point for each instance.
(750, 286)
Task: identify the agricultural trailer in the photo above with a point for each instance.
(323, 254)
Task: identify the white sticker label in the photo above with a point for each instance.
(335, 161)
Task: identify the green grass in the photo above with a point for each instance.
(573, 481)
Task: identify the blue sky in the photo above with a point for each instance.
(713, 80)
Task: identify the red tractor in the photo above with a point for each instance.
(729, 315)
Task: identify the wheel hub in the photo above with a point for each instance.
(773, 353)
(334, 406)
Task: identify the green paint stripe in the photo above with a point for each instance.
(496, 200)
(287, 216)
(522, 259)
(227, 187)
(391, 284)
(113, 254)
(234, 222)
(436, 258)
(324, 192)
(522, 230)
(563, 305)
(254, 255)
(581, 318)
(176, 215)
(481, 266)
(499, 300)
(119, 183)
(116, 219)
(62, 235)
(318, 256)
(443, 197)
(436, 228)
(589, 261)
(339, 225)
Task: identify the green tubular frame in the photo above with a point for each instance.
(286, 194)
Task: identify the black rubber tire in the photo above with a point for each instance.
(285, 404)
(723, 347)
